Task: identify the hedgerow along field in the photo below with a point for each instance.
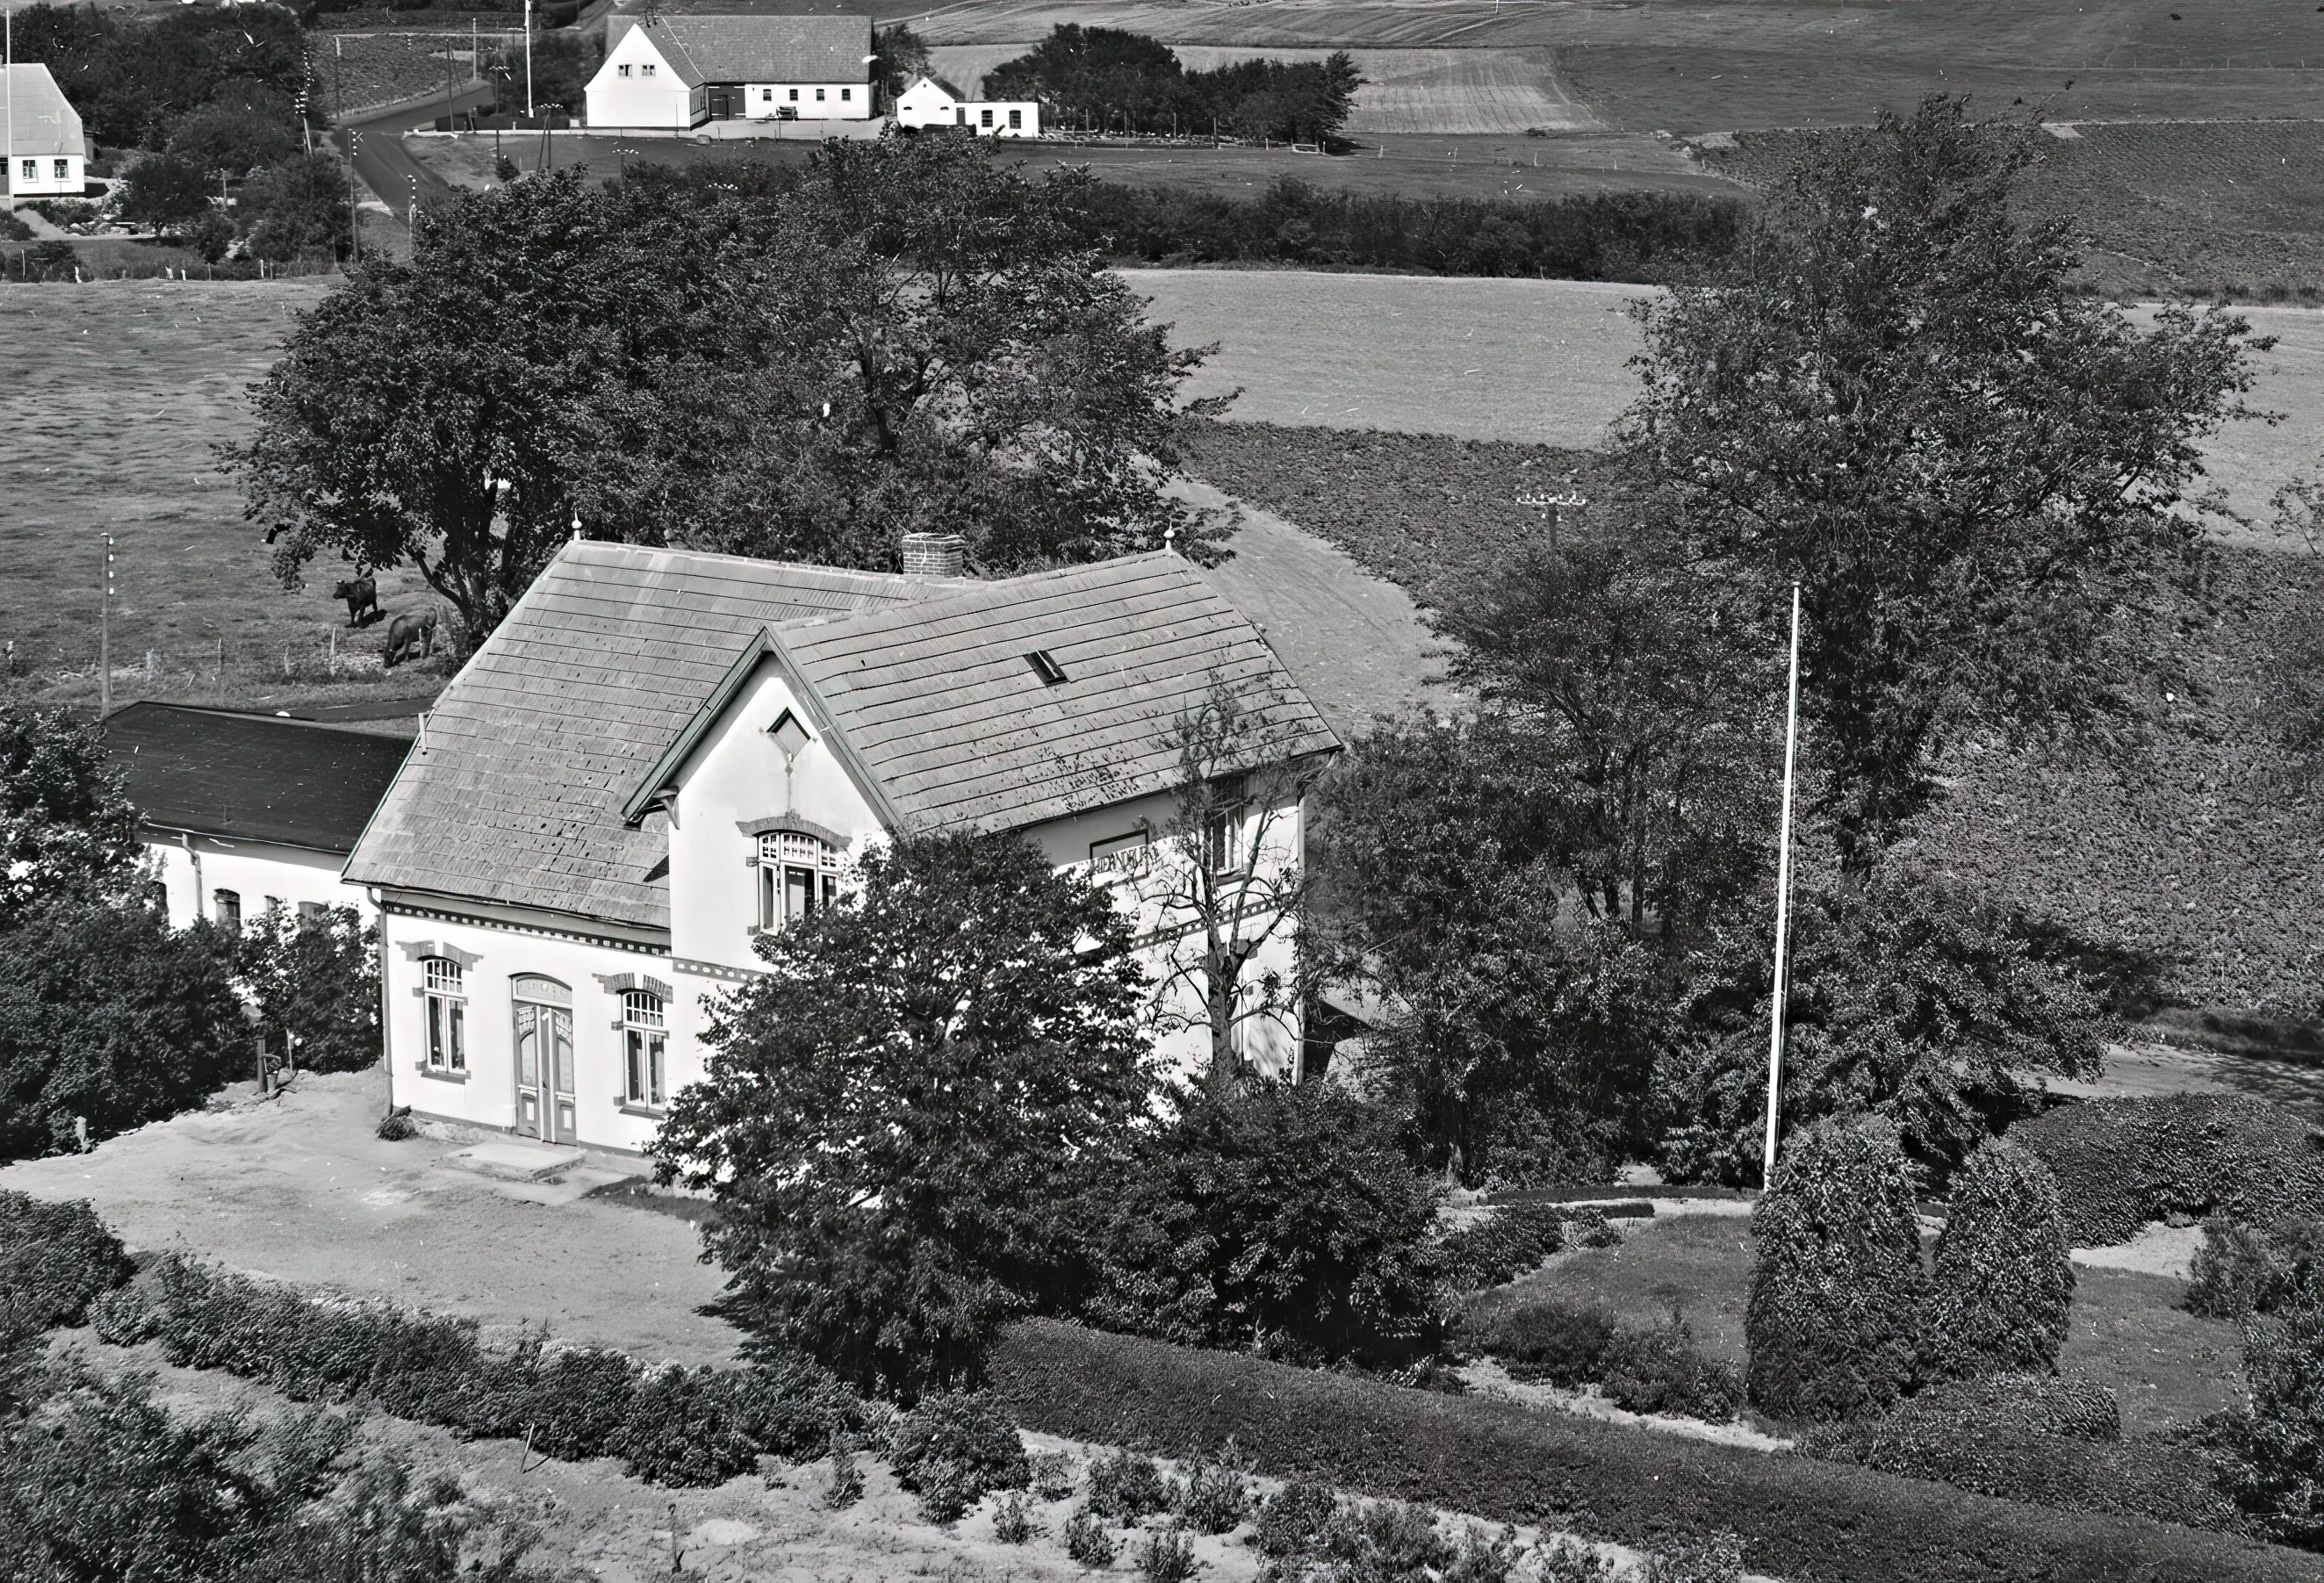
(117, 393)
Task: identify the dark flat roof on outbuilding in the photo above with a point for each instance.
(251, 777)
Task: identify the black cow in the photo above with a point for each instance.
(362, 595)
(406, 631)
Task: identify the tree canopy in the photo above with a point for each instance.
(802, 367)
(893, 1116)
(67, 830)
(1109, 78)
(1894, 392)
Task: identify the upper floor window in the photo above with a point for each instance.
(798, 874)
(1225, 840)
(446, 987)
(225, 906)
(646, 70)
(644, 1037)
(313, 912)
(621, 71)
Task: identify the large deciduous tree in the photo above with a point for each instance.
(1894, 393)
(67, 830)
(807, 367)
(895, 1118)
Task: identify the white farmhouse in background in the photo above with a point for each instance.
(928, 103)
(678, 72)
(241, 812)
(660, 756)
(46, 150)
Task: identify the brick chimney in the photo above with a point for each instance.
(935, 554)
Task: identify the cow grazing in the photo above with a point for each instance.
(362, 595)
(407, 630)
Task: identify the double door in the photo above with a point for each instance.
(544, 1072)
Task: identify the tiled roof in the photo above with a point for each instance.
(571, 706)
(251, 777)
(763, 48)
(43, 121)
(516, 797)
(945, 708)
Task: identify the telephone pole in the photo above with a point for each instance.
(104, 628)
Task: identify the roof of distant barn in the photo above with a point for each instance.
(541, 755)
(43, 121)
(758, 49)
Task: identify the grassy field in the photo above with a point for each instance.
(118, 392)
(1544, 361)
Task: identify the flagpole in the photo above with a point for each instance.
(1783, 904)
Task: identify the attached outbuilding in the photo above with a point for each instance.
(47, 151)
(678, 72)
(928, 103)
(242, 812)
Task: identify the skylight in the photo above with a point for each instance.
(1044, 665)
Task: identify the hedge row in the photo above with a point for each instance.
(669, 1425)
(55, 1260)
(2123, 1162)
(1798, 1518)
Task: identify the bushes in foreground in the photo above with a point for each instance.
(669, 1425)
(2003, 1283)
(1797, 1518)
(1642, 1369)
(2120, 1163)
(1833, 1319)
(55, 1260)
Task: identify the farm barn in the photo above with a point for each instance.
(677, 72)
(242, 812)
(659, 756)
(46, 152)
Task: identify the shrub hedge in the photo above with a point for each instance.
(1498, 1246)
(1657, 1369)
(2121, 1162)
(2243, 1270)
(2003, 1284)
(55, 1260)
(1833, 1318)
(951, 1448)
(1798, 1518)
(669, 1425)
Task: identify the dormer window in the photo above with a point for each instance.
(798, 874)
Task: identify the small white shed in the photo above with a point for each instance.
(928, 103)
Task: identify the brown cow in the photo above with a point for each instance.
(362, 595)
(404, 631)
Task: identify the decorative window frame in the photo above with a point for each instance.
(644, 1026)
(443, 993)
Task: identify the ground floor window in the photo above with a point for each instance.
(447, 1015)
(645, 1038)
(226, 907)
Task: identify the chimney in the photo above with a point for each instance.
(935, 554)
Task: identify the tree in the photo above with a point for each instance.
(314, 980)
(914, 339)
(301, 206)
(1894, 395)
(1281, 1218)
(900, 59)
(1224, 879)
(108, 1015)
(1833, 1317)
(1910, 1001)
(895, 1118)
(235, 140)
(67, 830)
(2276, 1467)
(165, 191)
(2004, 1285)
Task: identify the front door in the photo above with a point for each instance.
(544, 1072)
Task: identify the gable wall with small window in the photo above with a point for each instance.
(636, 86)
(718, 881)
(193, 869)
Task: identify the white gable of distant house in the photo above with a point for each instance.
(928, 103)
(46, 152)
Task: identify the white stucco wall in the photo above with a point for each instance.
(809, 101)
(486, 1097)
(651, 95)
(254, 870)
(30, 176)
(735, 777)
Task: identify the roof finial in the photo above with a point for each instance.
(1170, 538)
(577, 527)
